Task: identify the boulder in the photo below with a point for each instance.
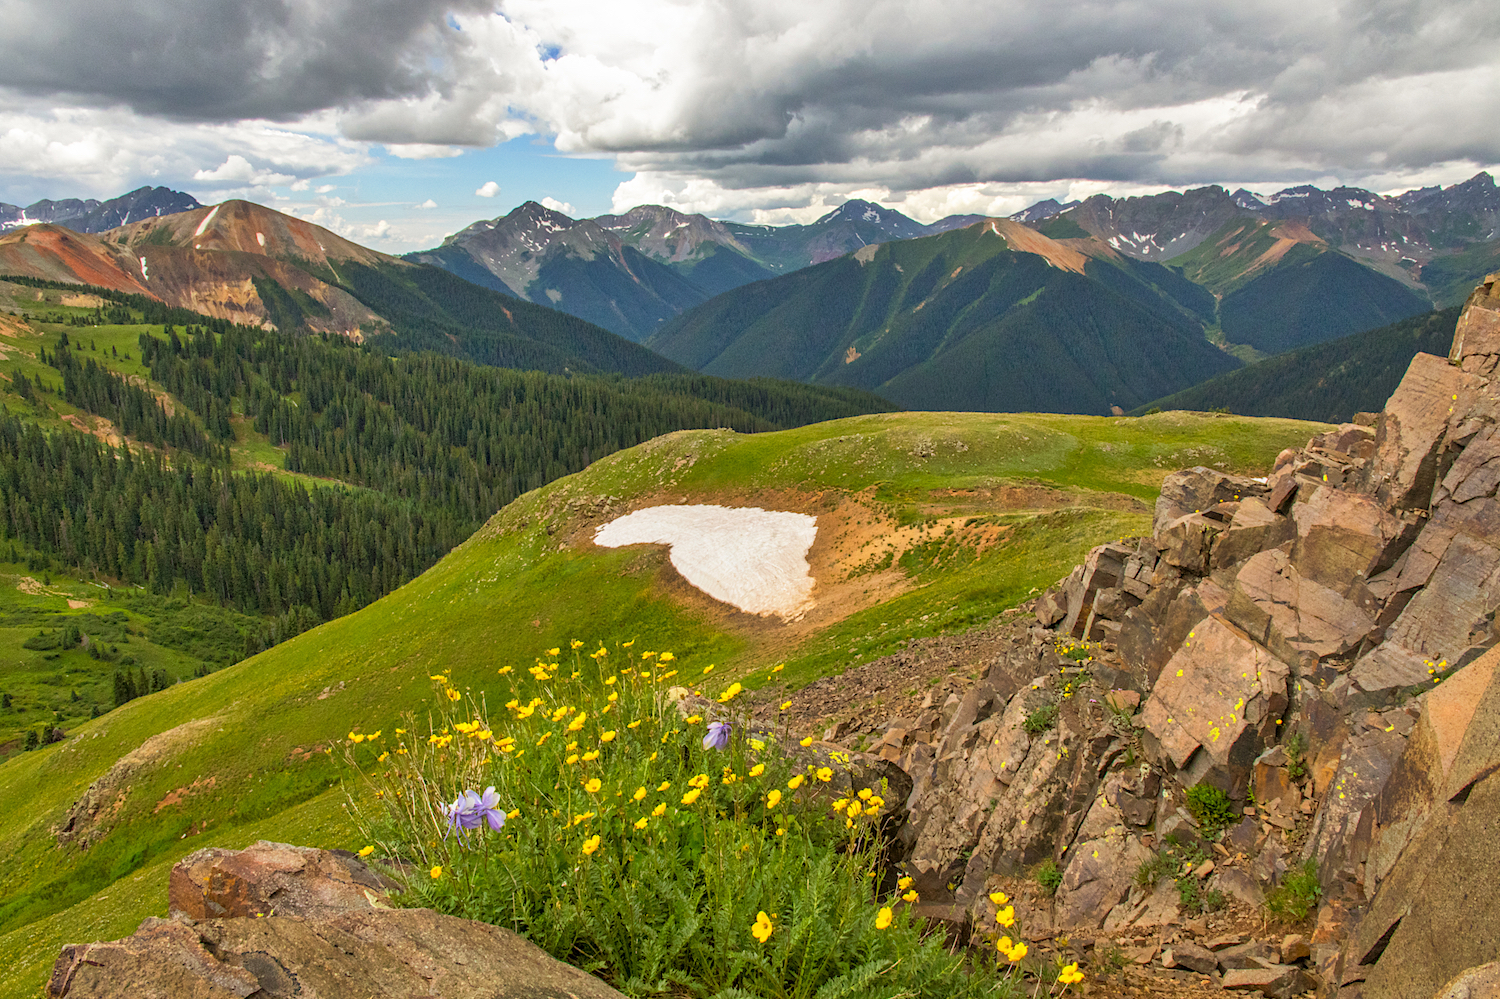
(1343, 826)
(1188, 541)
(1195, 490)
(1195, 958)
(370, 953)
(273, 879)
(1476, 341)
(1481, 982)
(1436, 912)
(1253, 528)
(1292, 615)
(1278, 981)
(1220, 695)
(1410, 433)
(1343, 537)
(1421, 774)
(1096, 878)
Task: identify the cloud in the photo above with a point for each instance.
(429, 203)
(559, 206)
(488, 189)
(740, 103)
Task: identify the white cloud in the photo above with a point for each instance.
(488, 189)
(559, 206)
(429, 203)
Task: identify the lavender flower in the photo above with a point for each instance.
(718, 735)
(471, 809)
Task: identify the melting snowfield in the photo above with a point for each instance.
(752, 558)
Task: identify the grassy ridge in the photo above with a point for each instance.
(245, 754)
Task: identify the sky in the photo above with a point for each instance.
(397, 122)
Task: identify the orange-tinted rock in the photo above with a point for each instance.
(272, 879)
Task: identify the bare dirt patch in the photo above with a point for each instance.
(89, 817)
(95, 426)
(79, 604)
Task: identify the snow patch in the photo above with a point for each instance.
(751, 558)
(260, 238)
(206, 220)
(144, 275)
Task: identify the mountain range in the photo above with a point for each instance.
(99, 216)
(1402, 237)
(630, 273)
(247, 264)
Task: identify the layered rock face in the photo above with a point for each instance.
(1316, 645)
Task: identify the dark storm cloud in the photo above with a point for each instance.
(223, 60)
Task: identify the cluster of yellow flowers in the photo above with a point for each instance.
(1435, 669)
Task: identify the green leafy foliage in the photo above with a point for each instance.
(1040, 720)
(1210, 807)
(634, 850)
(1049, 876)
(1297, 895)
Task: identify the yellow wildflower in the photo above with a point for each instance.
(998, 897)
(591, 844)
(1017, 952)
(778, 667)
(1070, 975)
(634, 724)
(576, 644)
(666, 657)
(504, 670)
(904, 883)
(691, 796)
(762, 928)
(640, 793)
(806, 741)
(610, 682)
(438, 679)
(572, 759)
(796, 781)
(825, 774)
(641, 822)
(883, 917)
(731, 693)
(592, 785)
(910, 896)
(1006, 917)
(576, 724)
(757, 770)
(700, 781)
(436, 872)
(659, 810)
(773, 798)
(785, 705)
(365, 851)
(557, 652)
(454, 695)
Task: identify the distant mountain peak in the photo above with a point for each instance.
(863, 211)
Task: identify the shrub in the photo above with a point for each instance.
(1295, 748)
(633, 848)
(1297, 895)
(1210, 807)
(1040, 720)
(1049, 876)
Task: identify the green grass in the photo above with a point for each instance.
(260, 730)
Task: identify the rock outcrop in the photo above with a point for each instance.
(1317, 646)
(292, 921)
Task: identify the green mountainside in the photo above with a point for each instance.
(1330, 381)
(992, 317)
(933, 523)
(248, 484)
(1452, 278)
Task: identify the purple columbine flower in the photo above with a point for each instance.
(718, 735)
(471, 809)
